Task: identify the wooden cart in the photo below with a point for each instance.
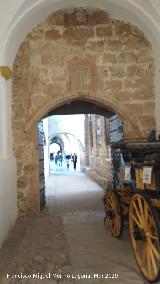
(135, 195)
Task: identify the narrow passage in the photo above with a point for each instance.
(68, 239)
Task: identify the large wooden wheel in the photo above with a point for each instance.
(113, 213)
(144, 228)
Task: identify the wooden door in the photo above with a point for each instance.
(115, 128)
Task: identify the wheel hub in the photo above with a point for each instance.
(111, 214)
(139, 235)
(143, 235)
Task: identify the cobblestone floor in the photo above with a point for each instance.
(68, 239)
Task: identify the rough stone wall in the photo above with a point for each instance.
(120, 76)
(98, 150)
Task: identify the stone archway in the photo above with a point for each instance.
(78, 54)
(57, 140)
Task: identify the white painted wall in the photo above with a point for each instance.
(8, 183)
(72, 124)
(8, 198)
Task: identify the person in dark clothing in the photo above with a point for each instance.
(60, 159)
(51, 156)
(68, 157)
(74, 160)
(56, 159)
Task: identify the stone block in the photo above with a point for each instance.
(105, 31)
(147, 121)
(38, 99)
(36, 60)
(52, 34)
(138, 83)
(30, 168)
(23, 182)
(90, 19)
(54, 88)
(68, 19)
(117, 71)
(135, 70)
(139, 35)
(57, 18)
(36, 33)
(134, 108)
(127, 57)
(136, 43)
(19, 111)
(78, 34)
(134, 83)
(145, 56)
(96, 45)
(149, 108)
(109, 57)
(114, 45)
(122, 29)
(143, 94)
(79, 16)
(123, 95)
(113, 85)
(101, 17)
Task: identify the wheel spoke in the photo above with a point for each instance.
(148, 261)
(154, 266)
(146, 214)
(112, 204)
(141, 211)
(112, 225)
(144, 255)
(117, 221)
(143, 217)
(134, 244)
(136, 221)
(153, 237)
(156, 253)
(109, 203)
(112, 198)
(137, 212)
(150, 222)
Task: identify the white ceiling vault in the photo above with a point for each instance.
(144, 13)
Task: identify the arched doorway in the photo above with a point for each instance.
(57, 141)
(54, 148)
(92, 60)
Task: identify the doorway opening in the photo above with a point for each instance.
(85, 129)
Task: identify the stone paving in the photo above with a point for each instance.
(68, 240)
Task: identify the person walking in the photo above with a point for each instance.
(74, 160)
(60, 159)
(68, 157)
(56, 159)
